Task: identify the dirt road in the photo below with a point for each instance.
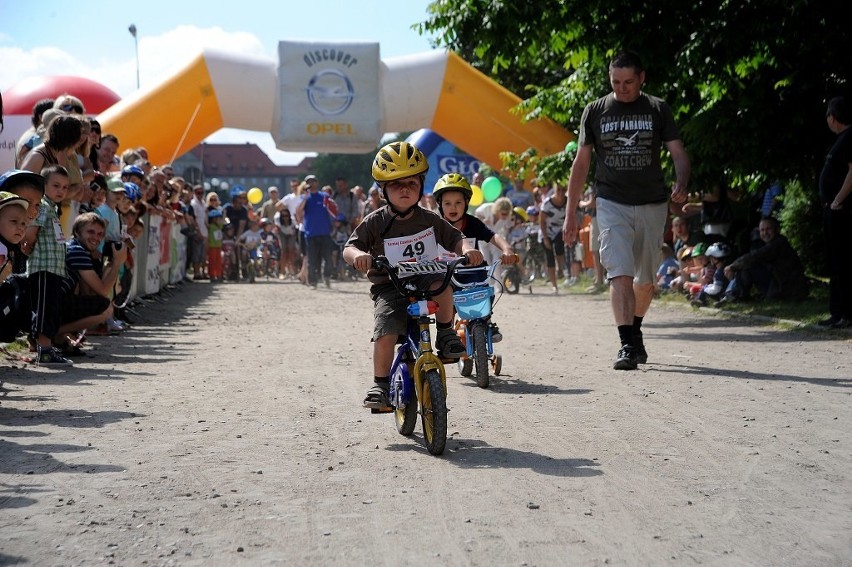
(226, 429)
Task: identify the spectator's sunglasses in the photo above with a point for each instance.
(72, 108)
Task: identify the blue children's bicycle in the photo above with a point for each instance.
(473, 301)
(417, 374)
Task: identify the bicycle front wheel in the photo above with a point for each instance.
(480, 353)
(433, 412)
(512, 281)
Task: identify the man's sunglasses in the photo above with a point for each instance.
(72, 108)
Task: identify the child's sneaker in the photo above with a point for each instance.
(447, 343)
(496, 336)
(49, 355)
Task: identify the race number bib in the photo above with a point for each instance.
(417, 247)
(57, 232)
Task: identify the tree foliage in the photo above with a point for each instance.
(747, 80)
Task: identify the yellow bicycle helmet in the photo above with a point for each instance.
(521, 213)
(452, 182)
(398, 160)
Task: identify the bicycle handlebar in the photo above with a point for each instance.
(418, 289)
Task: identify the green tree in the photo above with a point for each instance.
(747, 80)
(354, 167)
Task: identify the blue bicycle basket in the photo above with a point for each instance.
(473, 303)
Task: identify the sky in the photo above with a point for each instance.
(91, 39)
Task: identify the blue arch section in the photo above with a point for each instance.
(443, 157)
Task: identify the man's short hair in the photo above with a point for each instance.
(84, 219)
(626, 59)
(773, 221)
(839, 108)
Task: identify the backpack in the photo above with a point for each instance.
(14, 306)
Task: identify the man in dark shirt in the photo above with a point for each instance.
(835, 186)
(774, 269)
(626, 130)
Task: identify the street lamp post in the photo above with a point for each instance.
(132, 30)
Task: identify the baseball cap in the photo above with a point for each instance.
(14, 177)
(310, 178)
(9, 199)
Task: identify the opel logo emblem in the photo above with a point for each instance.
(330, 92)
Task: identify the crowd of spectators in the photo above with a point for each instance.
(84, 205)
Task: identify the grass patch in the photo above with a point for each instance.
(807, 312)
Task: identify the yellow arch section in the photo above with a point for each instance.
(436, 90)
(474, 113)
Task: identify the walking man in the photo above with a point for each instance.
(626, 130)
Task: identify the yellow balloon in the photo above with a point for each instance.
(477, 197)
(255, 195)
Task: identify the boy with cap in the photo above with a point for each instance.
(13, 224)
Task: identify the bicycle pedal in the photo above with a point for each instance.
(381, 410)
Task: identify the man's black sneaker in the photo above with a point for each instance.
(626, 359)
(51, 356)
(639, 349)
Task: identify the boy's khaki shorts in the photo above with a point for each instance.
(630, 239)
(389, 309)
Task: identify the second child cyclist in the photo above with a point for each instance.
(452, 194)
(402, 230)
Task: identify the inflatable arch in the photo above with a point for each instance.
(436, 90)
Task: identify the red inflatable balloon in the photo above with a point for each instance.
(20, 97)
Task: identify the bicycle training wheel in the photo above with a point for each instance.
(433, 413)
(497, 364)
(480, 354)
(465, 366)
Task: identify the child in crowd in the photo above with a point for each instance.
(117, 204)
(400, 169)
(24, 184)
(718, 253)
(684, 260)
(131, 222)
(270, 247)
(518, 239)
(249, 242)
(452, 194)
(13, 225)
(701, 272)
(287, 233)
(44, 242)
(668, 269)
(229, 251)
(215, 235)
(339, 236)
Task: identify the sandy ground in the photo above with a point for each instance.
(226, 429)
